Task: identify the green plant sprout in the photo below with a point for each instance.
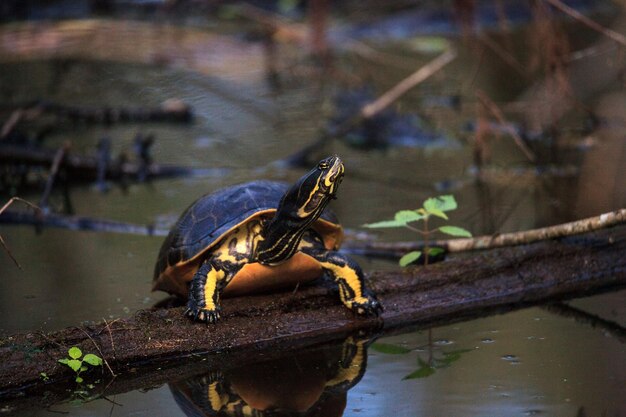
(78, 365)
(435, 206)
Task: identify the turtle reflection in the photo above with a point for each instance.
(307, 383)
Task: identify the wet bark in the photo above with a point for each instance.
(455, 290)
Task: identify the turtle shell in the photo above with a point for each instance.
(210, 218)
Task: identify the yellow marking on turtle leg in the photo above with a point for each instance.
(210, 287)
(348, 372)
(216, 400)
(351, 279)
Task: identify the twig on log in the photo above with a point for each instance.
(617, 37)
(108, 328)
(497, 113)
(99, 351)
(2, 210)
(393, 249)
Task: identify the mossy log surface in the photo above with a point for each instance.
(458, 289)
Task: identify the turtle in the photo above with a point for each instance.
(259, 236)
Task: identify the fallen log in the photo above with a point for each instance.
(85, 168)
(455, 290)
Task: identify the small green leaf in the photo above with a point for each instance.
(64, 361)
(438, 213)
(92, 359)
(83, 368)
(389, 349)
(455, 231)
(410, 257)
(407, 216)
(79, 379)
(435, 251)
(384, 223)
(442, 203)
(401, 218)
(423, 371)
(75, 364)
(75, 352)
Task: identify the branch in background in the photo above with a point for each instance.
(3, 213)
(54, 170)
(497, 113)
(396, 249)
(172, 110)
(78, 223)
(617, 37)
(372, 109)
(85, 168)
(408, 83)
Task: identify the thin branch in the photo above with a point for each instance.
(617, 37)
(100, 351)
(10, 123)
(373, 108)
(495, 241)
(6, 205)
(504, 55)
(497, 113)
(108, 327)
(54, 170)
(408, 83)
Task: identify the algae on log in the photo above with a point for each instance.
(454, 290)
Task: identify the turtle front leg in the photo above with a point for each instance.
(348, 276)
(204, 293)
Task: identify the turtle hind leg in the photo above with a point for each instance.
(348, 277)
(204, 292)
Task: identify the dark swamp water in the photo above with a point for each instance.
(528, 362)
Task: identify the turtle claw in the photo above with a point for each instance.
(202, 314)
(370, 307)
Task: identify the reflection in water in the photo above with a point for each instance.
(308, 383)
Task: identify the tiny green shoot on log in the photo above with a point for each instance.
(78, 365)
(435, 206)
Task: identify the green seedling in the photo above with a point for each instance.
(437, 207)
(79, 365)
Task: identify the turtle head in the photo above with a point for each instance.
(301, 205)
(308, 197)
